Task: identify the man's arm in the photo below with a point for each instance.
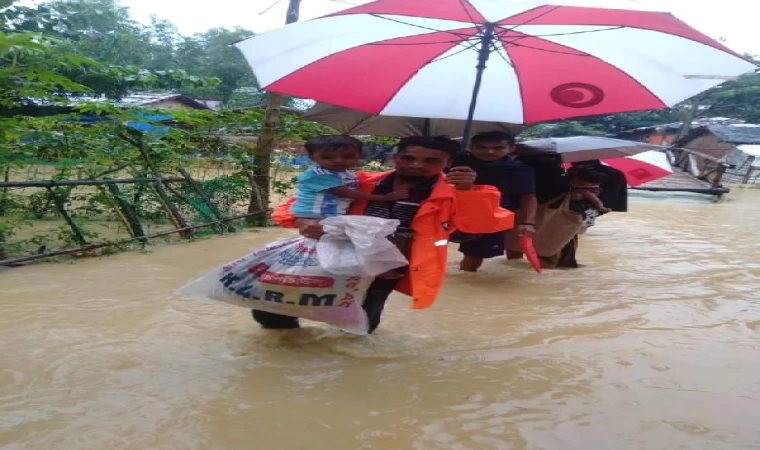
(461, 177)
(529, 205)
(477, 207)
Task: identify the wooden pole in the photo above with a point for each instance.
(3, 208)
(115, 207)
(688, 117)
(171, 209)
(206, 200)
(62, 209)
(748, 175)
(16, 261)
(54, 183)
(265, 142)
(128, 212)
(720, 170)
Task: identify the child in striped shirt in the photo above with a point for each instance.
(328, 188)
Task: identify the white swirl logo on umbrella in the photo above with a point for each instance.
(577, 95)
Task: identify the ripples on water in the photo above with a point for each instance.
(653, 346)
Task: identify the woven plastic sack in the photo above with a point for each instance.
(286, 276)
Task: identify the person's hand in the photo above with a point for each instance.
(605, 210)
(390, 275)
(462, 178)
(310, 228)
(397, 195)
(526, 229)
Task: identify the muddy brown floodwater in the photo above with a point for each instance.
(655, 345)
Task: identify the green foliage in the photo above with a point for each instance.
(739, 99)
(48, 55)
(292, 127)
(210, 54)
(563, 129)
(66, 235)
(103, 31)
(284, 187)
(31, 70)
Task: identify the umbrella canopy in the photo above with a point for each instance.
(642, 168)
(349, 121)
(586, 148)
(489, 61)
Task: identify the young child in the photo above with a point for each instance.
(328, 188)
(584, 192)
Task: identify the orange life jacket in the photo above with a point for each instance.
(443, 212)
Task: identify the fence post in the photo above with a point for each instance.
(719, 176)
(748, 175)
(174, 213)
(62, 209)
(129, 213)
(205, 198)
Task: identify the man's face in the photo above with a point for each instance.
(420, 163)
(491, 151)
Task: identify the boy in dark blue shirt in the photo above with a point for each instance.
(490, 156)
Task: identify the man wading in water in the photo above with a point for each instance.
(438, 205)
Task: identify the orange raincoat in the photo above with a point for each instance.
(446, 210)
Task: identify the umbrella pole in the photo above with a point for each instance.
(484, 52)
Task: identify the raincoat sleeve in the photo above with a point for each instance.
(478, 211)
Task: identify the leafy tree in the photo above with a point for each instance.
(562, 129)
(210, 54)
(739, 99)
(103, 30)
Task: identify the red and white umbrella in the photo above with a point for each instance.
(642, 168)
(586, 148)
(639, 161)
(418, 58)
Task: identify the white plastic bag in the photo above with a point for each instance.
(356, 245)
(286, 277)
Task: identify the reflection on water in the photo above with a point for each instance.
(653, 346)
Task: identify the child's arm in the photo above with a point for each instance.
(353, 194)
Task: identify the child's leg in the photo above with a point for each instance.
(483, 247)
(470, 263)
(513, 255)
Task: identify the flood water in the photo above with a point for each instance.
(654, 345)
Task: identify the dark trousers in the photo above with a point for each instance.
(567, 255)
(374, 303)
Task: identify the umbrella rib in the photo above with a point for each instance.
(534, 18)
(579, 53)
(497, 50)
(420, 43)
(464, 4)
(360, 123)
(470, 46)
(577, 32)
(461, 36)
